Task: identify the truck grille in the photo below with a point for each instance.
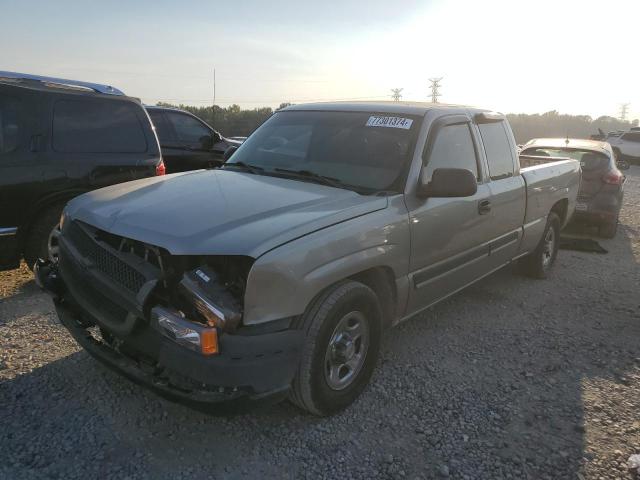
(86, 290)
(106, 262)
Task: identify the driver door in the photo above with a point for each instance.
(191, 145)
(449, 236)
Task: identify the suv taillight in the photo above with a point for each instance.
(160, 168)
(613, 177)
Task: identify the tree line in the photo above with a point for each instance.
(233, 121)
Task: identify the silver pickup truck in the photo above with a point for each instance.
(276, 275)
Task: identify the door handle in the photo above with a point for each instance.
(484, 207)
(35, 143)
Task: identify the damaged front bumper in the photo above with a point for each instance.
(252, 365)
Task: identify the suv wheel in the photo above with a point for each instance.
(343, 329)
(538, 263)
(608, 230)
(42, 238)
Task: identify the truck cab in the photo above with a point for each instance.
(187, 142)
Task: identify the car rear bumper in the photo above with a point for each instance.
(601, 208)
(249, 368)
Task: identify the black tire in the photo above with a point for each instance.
(37, 243)
(608, 230)
(311, 389)
(538, 263)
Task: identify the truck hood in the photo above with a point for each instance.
(218, 212)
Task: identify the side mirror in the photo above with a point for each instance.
(228, 152)
(216, 137)
(447, 182)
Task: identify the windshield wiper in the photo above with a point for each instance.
(316, 177)
(245, 166)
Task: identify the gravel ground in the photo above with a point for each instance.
(512, 378)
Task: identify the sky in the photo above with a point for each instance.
(513, 56)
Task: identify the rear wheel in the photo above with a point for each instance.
(343, 329)
(42, 239)
(608, 230)
(538, 263)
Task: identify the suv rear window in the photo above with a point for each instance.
(631, 137)
(9, 127)
(96, 126)
(589, 159)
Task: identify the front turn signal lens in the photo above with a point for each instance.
(209, 341)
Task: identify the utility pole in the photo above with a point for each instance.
(213, 108)
(396, 94)
(624, 109)
(435, 85)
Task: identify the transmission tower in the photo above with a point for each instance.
(624, 109)
(396, 94)
(435, 85)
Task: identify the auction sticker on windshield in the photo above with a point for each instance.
(391, 122)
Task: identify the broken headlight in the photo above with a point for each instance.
(191, 335)
(211, 299)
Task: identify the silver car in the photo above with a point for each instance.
(602, 187)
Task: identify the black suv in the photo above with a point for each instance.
(60, 138)
(187, 142)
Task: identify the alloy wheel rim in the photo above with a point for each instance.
(549, 247)
(346, 351)
(53, 248)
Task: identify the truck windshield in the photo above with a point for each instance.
(363, 152)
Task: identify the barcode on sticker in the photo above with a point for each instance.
(391, 122)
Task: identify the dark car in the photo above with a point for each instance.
(60, 138)
(187, 142)
(602, 185)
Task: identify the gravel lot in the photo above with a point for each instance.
(513, 378)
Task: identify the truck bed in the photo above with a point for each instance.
(549, 180)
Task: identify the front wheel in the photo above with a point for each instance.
(538, 263)
(343, 329)
(42, 239)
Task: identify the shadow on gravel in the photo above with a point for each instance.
(488, 384)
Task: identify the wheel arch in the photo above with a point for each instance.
(39, 206)
(561, 208)
(381, 281)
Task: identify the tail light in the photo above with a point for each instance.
(613, 177)
(160, 168)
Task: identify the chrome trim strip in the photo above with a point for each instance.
(8, 231)
(96, 87)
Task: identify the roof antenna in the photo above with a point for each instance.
(566, 142)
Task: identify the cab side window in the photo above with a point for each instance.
(498, 150)
(188, 130)
(9, 125)
(452, 148)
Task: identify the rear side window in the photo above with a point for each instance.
(498, 149)
(453, 148)
(162, 126)
(95, 126)
(9, 125)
